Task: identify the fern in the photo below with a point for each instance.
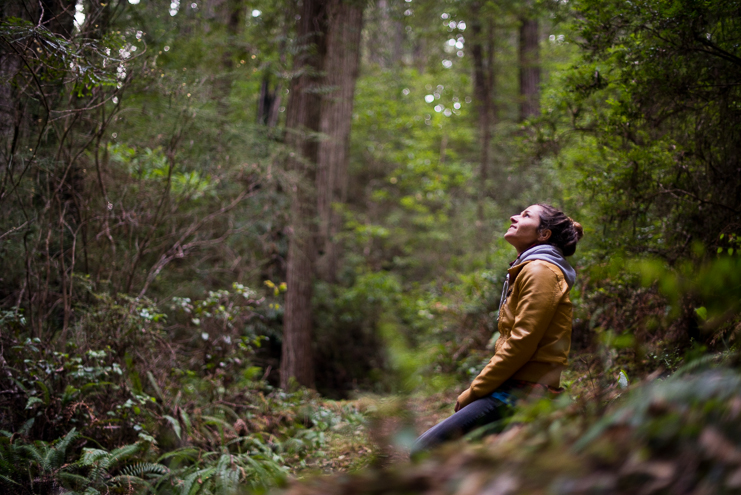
(5, 479)
(124, 480)
(58, 454)
(140, 469)
(121, 454)
(681, 392)
(189, 482)
(91, 457)
(40, 462)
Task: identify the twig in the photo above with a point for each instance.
(14, 229)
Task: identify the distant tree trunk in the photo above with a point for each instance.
(302, 121)
(10, 64)
(341, 66)
(385, 33)
(418, 55)
(57, 16)
(483, 81)
(529, 59)
(267, 107)
(233, 17)
(398, 48)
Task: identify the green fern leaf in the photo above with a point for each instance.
(8, 480)
(121, 454)
(93, 456)
(189, 485)
(141, 468)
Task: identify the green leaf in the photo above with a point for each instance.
(623, 379)
(175, 425)
(702, 312)
(32, 401)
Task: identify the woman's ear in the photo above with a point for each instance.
(544, 235)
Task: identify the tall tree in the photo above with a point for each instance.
(9, 65)
(483, 82)
(233, 19)
(529, 62)
(341, 67)
(302, 124)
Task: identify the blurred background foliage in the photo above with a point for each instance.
(145, 222)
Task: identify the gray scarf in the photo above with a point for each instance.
(545, 252)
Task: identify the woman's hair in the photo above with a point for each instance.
(565, 232)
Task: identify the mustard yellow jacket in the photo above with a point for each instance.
(534, 331)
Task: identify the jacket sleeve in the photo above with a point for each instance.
(539, 294)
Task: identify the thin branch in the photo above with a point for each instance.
(178, 249)
(14, 229)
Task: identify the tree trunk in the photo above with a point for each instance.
(302, 123)
(341, 65)
(483, 81)
(529, 59)
(233, 18)
(10, 64)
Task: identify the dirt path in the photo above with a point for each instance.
(394, 427)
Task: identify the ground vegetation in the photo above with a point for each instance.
(247, 245)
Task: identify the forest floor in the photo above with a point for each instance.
(393, 423)
(677, 434)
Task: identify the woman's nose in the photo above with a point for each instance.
(513, 219)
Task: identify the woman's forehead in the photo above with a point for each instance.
(532, 209)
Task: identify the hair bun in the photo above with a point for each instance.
(578, 228)
(565, 232)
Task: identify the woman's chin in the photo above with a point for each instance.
(510, 239)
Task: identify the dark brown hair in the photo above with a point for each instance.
(565, 232)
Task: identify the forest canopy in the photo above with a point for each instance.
(235, 234)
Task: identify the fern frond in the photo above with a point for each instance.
(683, 390)
(121, 453)
(74, 479)
(93, 456)
(36, 452)
(187, 453)
(189, 485)
(8, 480)
(697, 364)
(56, 455)
(141, 468)
(70, 437)
(127, 481)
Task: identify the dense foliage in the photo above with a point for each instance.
(145, 222)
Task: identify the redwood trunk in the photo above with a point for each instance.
(483, 81)
(529, 69)
(233, 17)
(341, 67)
(302, 122)
(10, 64)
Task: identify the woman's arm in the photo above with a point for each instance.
(539, 293)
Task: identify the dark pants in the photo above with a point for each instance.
(480, 412)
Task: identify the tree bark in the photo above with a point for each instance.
(483, 81)
(233, 18)
(9, 66)
(529, 59)
(267, 105)
(302, 124)
(342, 66)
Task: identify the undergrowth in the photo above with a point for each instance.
(162, 401)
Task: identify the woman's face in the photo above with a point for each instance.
(523, 232)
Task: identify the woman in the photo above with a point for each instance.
(534, 325)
